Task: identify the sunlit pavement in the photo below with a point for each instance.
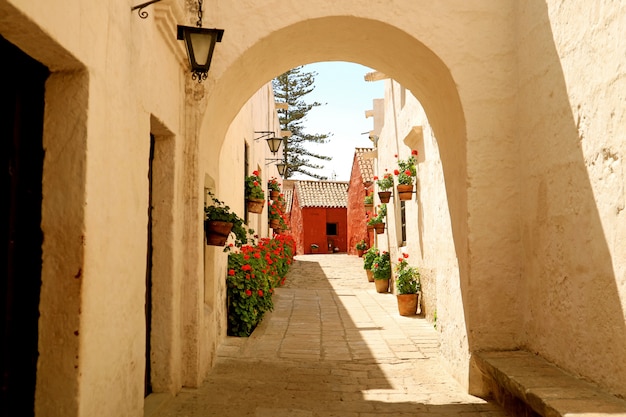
(333, 346)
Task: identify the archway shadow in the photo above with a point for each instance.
(330, 347)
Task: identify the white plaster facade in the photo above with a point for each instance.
(525, 100)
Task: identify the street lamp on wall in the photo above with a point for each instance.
(199, 42)
(272, 141)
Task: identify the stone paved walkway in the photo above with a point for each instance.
(331, 347)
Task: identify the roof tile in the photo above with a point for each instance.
(331, 194)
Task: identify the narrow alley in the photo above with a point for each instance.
(333, 346)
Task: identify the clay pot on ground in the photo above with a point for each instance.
(382, 285)
(255, 205)
(407, 304)
(405, 192)
(370, 275)
(217, 232)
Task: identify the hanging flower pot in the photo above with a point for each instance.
(380, 228)
(275, 223)
(384, 196)
(255, 205)
(217, 232)
(274, 194)
(405, 192)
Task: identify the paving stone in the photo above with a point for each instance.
(332, 347)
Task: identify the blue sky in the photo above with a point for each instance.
(347, 96)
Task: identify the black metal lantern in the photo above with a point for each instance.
(281, 168)
(200, 43)
(274, 144)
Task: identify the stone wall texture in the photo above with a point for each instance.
(517, 223)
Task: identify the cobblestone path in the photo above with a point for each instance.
(331, 347)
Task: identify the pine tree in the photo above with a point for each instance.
(290, 88)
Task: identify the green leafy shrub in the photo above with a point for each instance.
(407, 277)
(381, 267)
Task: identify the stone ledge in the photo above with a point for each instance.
(528, 385)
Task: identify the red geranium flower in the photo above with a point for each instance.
(413, 152)
(375, 177)
(260, 293)
(396, 172)
(408, 172)
(248, 293)
(405, 255)
(255, 173)
(231, 272)
(246, 267)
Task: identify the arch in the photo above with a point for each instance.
(365, 41)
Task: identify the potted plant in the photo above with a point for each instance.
(220, 222)
(408, 286)
(378, 221)
(368, 260)
(274, 188)
(314, 247)
(360, 247)
(406, 173)
(255, 196)
(369, 201)
(381, 267)
(384, 185)
(275, 215)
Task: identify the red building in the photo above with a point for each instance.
(319, 216)
(361, 184)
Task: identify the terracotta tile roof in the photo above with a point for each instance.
(366, 165)
(288, 196)
(322, 193)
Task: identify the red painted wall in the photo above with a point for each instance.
(357, 225)
(314, 220)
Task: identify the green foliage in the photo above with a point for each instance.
(361, 245)
(218, 211)
(273, 184)
(407, 277)
(385, 183)
(290, 88)
(381, 266)
(369, 256)
(380, 217)
(369, 199)
(252, 275)
(253, 186)
(407, 171)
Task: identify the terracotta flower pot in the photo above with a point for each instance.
(274, 195)
(275, 224)
(382, 285)
(407, 304)
(384, 196)
(217, 232)
(405, 192)
(380, 228)
(255, 205)
(370, 275)
(359, 252)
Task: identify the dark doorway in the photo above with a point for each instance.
(147, 381)
(21, 130)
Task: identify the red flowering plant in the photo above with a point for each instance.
(252, 275)
(407, 277)
(406, 171)
(379, 217)
(384, 183)
(273, 184)
(253, 186)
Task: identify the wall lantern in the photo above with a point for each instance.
(281, 168)
(199, 41)
(272, 141)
